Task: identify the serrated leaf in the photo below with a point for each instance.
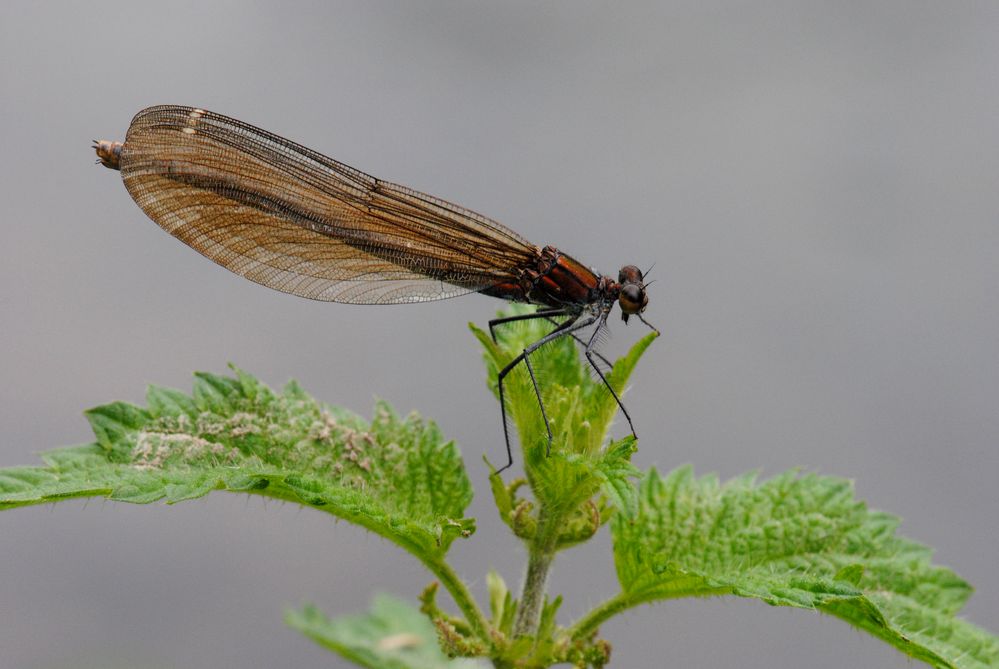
(801, 541)
(110, 422)
(394, 635)
(213, 392)
(617, 472)
(251, 387)
(395, 476)
(578, 405)
(579, 408)
(604, 405)
(164, 401)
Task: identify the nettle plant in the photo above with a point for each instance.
(798, 540)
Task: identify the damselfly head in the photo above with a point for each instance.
(631, 296)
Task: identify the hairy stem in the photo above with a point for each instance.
(462, 597)
(589, 623)
(541, 554)
(436, 564)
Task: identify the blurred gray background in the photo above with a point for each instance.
(816, 183)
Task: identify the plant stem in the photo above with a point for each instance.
(586, 625)
(589, 623)
(435, 563)
(462, 597)
(541, 554)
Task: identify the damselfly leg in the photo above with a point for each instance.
(562, 330)
(589, 353)
(548, 315)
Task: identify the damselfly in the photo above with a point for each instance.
(290, 218)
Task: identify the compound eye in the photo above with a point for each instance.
(632, 298)
(629, 274)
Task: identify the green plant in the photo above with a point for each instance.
(799, 540)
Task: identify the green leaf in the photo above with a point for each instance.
(111, 422)
(604, 405)
(396, 476)
(616, 473)
(501, 602)
(169, 402)
(214, 393)
(579, 407)
(393, 635)
(795, 540)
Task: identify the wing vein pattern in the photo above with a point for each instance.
(292, 219)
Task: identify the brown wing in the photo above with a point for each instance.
(292, 219)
